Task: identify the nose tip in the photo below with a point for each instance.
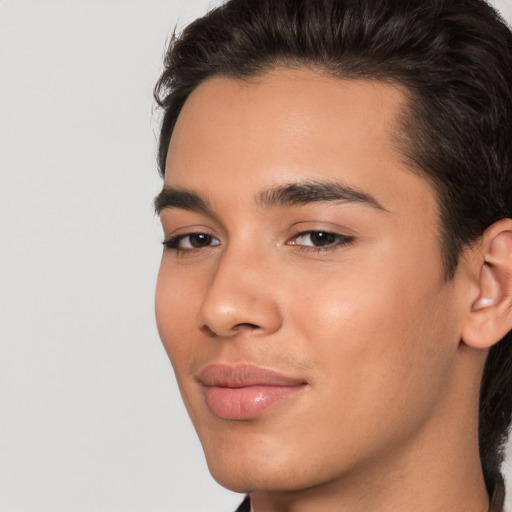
(237, 301)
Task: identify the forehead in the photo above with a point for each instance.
(291, 125)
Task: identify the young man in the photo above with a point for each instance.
(335, 292)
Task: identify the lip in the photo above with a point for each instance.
(244, 391)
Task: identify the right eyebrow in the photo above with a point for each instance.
(314, 191)
(177, 198)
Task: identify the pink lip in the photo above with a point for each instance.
(244, 391)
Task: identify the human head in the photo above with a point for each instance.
(454, 59)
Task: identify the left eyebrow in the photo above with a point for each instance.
(182, 199)
(313, 192)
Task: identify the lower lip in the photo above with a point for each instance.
(246, 402)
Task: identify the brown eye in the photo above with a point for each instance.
(198, 240)
(320, 239)
(191, 241)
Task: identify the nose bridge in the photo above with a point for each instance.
(239, 294)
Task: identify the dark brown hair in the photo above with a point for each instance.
(454, 57)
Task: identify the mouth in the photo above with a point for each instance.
(243, 392)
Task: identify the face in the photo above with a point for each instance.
(301, 297)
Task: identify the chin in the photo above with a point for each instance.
(242, 466)
(255, 468)
(248, 479)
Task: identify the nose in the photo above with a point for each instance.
(240, 297)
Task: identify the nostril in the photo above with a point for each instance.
(236, 328)
(246, 325)
(209, 332)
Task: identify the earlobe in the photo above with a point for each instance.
(490, 317)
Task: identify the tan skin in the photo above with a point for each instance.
(387, 419)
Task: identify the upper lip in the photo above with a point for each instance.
(243, 375)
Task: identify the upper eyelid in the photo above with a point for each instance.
(181, 236)
(318, 230)
(321, 224)
(297, 229)
(187, 229)
(294, 235)
(342, 240)
(327, 231)
(335, 229)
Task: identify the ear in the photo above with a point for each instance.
(490, 317)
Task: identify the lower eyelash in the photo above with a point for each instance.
(172, 242)
(344, 241)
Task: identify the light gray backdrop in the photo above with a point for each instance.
(90, 416)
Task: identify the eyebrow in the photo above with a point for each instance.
(182, 199)
(314, 191)
(293, 194)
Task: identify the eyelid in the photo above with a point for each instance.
(339, 233)
(179, 227)
(173, 239)
(324, 231)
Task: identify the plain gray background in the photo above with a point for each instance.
(90, 415)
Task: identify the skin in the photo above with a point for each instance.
(388, 419)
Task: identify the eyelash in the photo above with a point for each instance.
(173, 243)
(340, 241)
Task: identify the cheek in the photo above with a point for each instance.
(174, 313)
(383, 339)
(176, 301)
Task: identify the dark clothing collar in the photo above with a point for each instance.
(245, 506)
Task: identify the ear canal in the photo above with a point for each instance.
(489, 289)
(482, 303)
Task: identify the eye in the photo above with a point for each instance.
(191, 241)
(320, 239)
